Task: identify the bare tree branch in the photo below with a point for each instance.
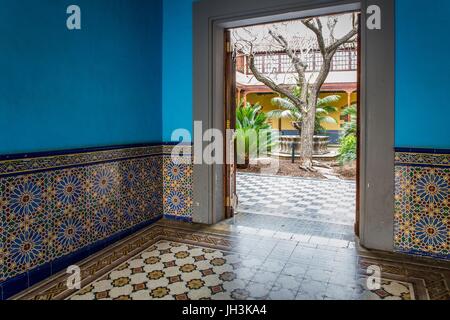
(333, 47)
(270, 83)
(299, 66)
(332, 22)
(309, 23)
(327, 52)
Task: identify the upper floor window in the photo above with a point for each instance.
(344, 60)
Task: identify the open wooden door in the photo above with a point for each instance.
(230, 197)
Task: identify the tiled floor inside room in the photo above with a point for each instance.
(180, 261)
(287, 228)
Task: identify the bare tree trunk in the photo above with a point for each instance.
(307, 135)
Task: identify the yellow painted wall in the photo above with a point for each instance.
(265, 100)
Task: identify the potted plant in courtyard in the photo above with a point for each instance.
(250, 123)
(348, 147)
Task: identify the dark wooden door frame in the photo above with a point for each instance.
(229, 167)
(212, 17)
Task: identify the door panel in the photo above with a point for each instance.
(230, 197)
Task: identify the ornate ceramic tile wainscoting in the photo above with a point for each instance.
(177, 174)
(422, 202)
(58, 208)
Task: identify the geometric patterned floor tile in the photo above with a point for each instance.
(392, 290)
(170, 270)
(172, 260)
(176, 271)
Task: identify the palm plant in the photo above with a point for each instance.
(350, 127)
(250, 123)
(349, 142)
(290, 111)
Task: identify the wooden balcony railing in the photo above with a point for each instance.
(279, 63)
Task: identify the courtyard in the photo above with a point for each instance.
(296, 206)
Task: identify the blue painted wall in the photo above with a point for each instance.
(105, 84)
(66, 89)
(422, 74)
(422, 71)
(177, 66)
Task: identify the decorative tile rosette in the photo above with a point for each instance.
(422, 197)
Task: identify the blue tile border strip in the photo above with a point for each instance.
(178, 218)
(70, 160)
(25, 163)
(27, 155)
(422, 158)
(23, 281)
(419, 253)
(422, 150)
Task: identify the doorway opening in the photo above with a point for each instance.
(292, 96)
